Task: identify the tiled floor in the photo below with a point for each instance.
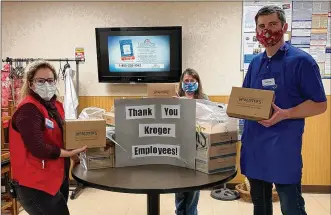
(97, 202)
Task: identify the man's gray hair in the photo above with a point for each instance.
(267, 10)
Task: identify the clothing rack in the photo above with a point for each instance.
(11, 60)
(79, 187)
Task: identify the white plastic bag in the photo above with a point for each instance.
(92, 113)
(213, 113)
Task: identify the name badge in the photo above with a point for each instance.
(268, 82)
(49, 123)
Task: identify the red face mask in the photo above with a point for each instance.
(269, 38)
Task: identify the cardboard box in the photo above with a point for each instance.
(101, 151)
(161, 90)
(109, 117)
(216, 147)
(97, 162)
(81, 132)
(99, 158)
(223, 164)
(251, 104)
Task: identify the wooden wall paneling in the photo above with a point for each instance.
(316, 149)
(316, 141)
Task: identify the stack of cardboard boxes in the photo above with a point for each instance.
(216, 146)
(110, 118)
(91, 133)
(98, 158)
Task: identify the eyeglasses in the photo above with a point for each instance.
(41, 81)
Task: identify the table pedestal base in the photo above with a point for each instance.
(153, 204)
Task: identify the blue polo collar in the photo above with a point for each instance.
(284, 48)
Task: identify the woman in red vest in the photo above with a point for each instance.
(40, 165)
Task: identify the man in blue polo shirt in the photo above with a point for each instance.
(271, 149)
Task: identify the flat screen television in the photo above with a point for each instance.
(139, 54)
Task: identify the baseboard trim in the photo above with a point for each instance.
(322, 189)
(319, 189)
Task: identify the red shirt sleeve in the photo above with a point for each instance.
(30, 123)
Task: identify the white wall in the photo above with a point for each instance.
(211, 37)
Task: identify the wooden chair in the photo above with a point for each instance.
(4, 145)
(8, 203)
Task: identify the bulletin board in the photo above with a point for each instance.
(309, 30)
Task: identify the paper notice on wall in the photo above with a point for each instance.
(251, 8)
(79, 53)
(328, 40)
(321, 7)
(321, 66)
(318, 39)
(140, 112)
(327, 70)
(157, 130)
(170, 111)
(319, 21)
(302, 10)
(248, 16)
(251, 48)
(155, 150)
(301, 32)
(318, 53)
(301, 24)
(300, 41)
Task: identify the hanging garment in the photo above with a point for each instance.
(18, 83)
(70, 102)
(5, 92)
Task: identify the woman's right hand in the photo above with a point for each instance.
(66, 153)
(77, 151)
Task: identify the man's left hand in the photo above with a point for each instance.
(278, 115)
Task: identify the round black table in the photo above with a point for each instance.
(152, 180)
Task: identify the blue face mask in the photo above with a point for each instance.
(190, 87)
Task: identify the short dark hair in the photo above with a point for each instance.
(267, 10)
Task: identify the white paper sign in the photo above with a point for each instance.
(170, 111)
(327, 70)
(301, 32)
(155, 150)
(318, 53)
(140, 112)
(328, 40)
(301, 24)
(302, 10)
(157, 130)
